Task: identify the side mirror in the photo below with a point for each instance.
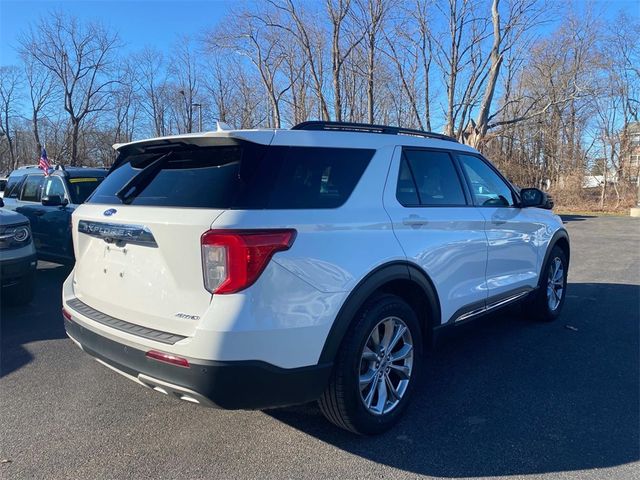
(53, 201)
(533, 197)
(1, 202)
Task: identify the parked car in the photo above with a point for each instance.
(259, 268)
(48, 203)
(17, 257)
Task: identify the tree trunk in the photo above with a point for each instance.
(371, 66)
(74, 143)
(479, 130)
(36, 135)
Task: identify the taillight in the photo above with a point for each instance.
(233, 260)
(167, 358)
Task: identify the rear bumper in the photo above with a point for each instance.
(229, 385)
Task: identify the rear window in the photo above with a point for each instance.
(81, 187)
(242, 176)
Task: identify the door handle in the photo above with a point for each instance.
(38, 213)
(415, 221)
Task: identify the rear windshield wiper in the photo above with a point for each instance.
(138, 183)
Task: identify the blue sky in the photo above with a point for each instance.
(158, 22)
(139, 23)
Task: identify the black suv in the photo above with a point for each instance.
(48, 202)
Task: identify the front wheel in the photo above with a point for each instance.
(549, 299)
(376, 368)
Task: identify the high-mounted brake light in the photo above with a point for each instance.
(233, 260)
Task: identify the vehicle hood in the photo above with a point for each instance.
(9, 217)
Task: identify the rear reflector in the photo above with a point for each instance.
(66, 314)
(233, 260)
(167, 358)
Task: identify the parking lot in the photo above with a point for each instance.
(503, 397)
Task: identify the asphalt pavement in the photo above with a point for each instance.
(503, 397)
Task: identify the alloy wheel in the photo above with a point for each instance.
(386, 364)
(555, 284)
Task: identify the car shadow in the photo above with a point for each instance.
(40, 320)
(509, 396)
(575, 218)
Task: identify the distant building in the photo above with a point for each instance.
(630, 151)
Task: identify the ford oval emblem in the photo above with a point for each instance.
(108, 213)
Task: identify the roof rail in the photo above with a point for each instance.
(368, 128)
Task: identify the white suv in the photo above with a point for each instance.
(248, 269)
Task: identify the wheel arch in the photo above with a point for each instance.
(403, 279)
(561, 239)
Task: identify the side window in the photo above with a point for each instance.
(434, 177)
(54, 186)
(32, 188)
(487, 188)
(406, 192)
(14, 185)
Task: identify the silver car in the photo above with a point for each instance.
(17, 258)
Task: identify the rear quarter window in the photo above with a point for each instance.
(307, 178)
(242, 176)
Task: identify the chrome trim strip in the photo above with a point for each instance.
(491, 306)
(470, 314)
(499, 303)
(115, 232)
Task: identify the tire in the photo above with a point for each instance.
(343, 403)
(545, 305)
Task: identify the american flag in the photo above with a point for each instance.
(44, 163)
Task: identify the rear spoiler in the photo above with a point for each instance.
(204, 139)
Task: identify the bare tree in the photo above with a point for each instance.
(339, 11)
(184, 70)
(151, 80)
(41, 94)
(10, 83)
(373, 14)
(81, 56)
(125, 104)
(254, 37)
(408, 56)
(522, 16)
(309, 37)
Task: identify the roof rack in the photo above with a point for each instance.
(368, 128)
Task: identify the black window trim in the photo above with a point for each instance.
(461, 180)
(514, 193)
(24, 183)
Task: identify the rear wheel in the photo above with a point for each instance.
(549, 299)
(376, 368)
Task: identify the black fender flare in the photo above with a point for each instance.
(371, 283)
(561, 234)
